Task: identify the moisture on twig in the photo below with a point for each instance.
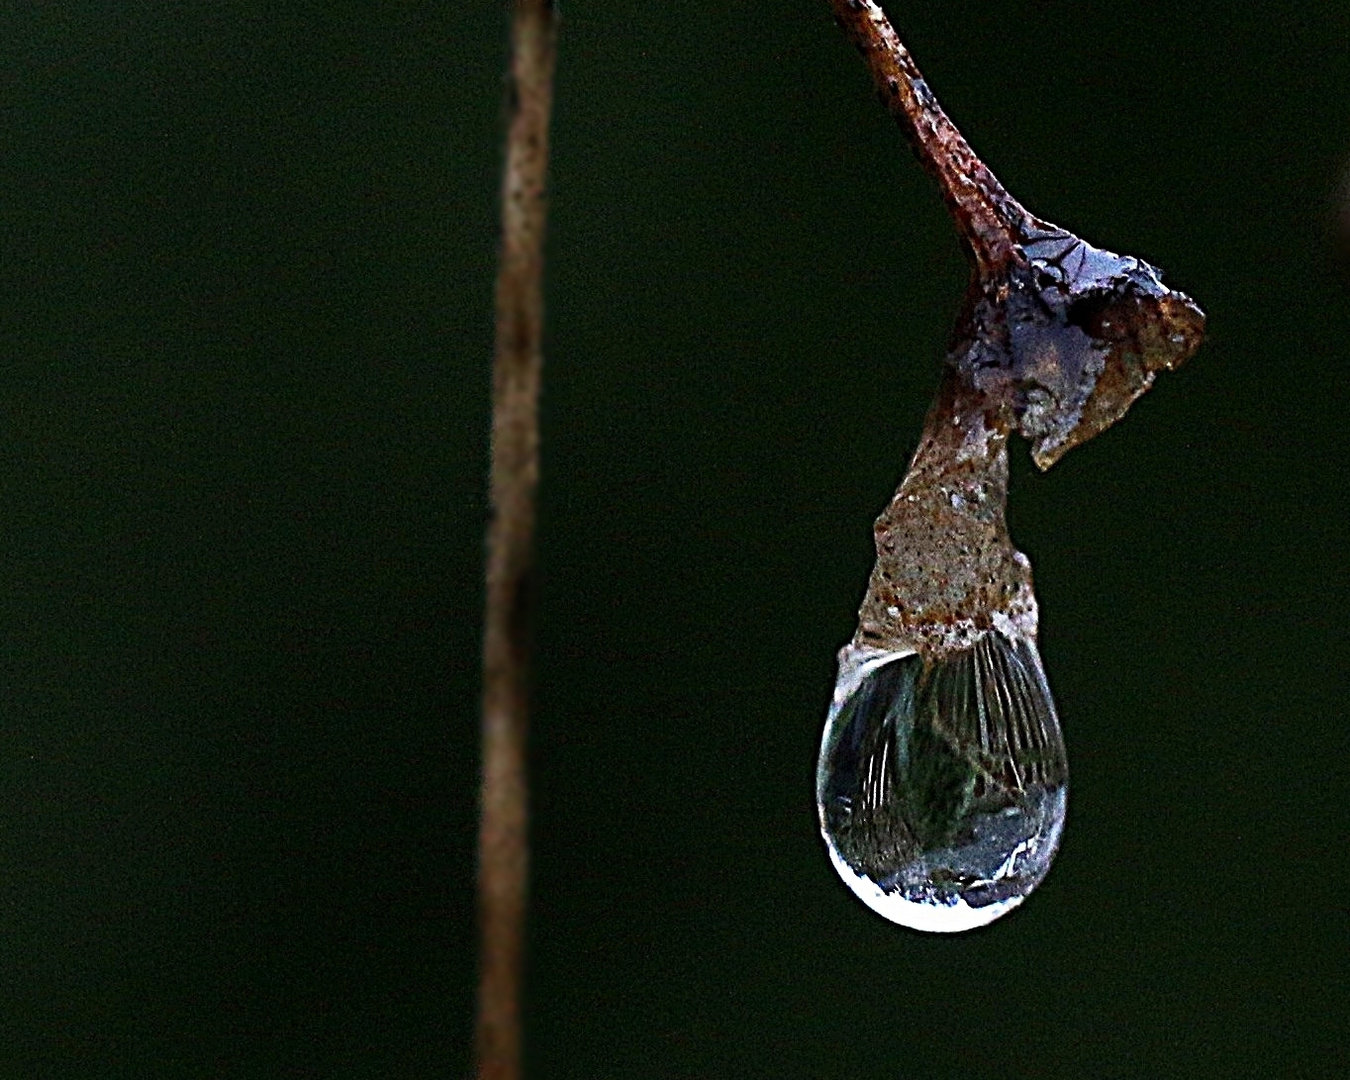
(943, 777)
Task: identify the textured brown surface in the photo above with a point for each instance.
(1056, 341)
(945, 564)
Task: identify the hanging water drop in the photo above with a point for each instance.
(941, 787)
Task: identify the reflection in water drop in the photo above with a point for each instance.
(942, 787)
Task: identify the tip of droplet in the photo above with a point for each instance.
(935, 917)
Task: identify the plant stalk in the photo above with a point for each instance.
(503, 847)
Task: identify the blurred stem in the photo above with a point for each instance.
(502, 840)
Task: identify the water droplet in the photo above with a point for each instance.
(942, 786)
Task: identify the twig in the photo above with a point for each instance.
(1055, 341)
(989, 218)
(1064, 335)
(502, 841)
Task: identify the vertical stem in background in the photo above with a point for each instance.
(502, 839)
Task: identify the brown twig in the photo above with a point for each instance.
(1064, 336)
(502, 841)
(1055, 341)
(989, 218)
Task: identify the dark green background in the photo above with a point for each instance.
(245, 331)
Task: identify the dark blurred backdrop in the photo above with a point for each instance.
(245, 331)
